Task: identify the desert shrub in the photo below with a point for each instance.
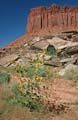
(20, 69)
(51, 50)
(4, 78)
(28, 89)
(28, 95)
(30, 71)
(34, 71)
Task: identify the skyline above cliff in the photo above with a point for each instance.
(14, 16)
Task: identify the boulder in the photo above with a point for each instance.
(66, 60)
(9, 59)
(72, 50)
(57, 42)
(68, 69)
(41, 45)
(75, 59)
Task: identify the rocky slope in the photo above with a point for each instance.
(48, 21)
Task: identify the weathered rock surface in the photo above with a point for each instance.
(58, 42)
(33, 56)
(54, 18)
(41, 45)
(7, 60)
(70, 68)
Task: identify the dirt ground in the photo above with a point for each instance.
(58, 91)
(64, 92)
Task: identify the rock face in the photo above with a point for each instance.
(54, 18)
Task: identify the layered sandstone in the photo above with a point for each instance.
(54, 19)
(45, 20)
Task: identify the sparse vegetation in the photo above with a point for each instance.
(51, 50)
(4, 78)
(32, 85)
(28, 89)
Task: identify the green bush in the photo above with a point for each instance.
(4, 78)
(20, 69)
(28, 89)
(28, 99)
(51, 50)
(31, 71)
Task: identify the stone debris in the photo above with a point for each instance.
(53, 64)
(63, 44)
(30, 55)
(33, 56)
(75, 59)
(68, 45)
(34, 40)
(57, 42)
(7, 60)
(41, 45)
(68, 68)
(66, 60)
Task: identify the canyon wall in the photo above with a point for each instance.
(54, 19)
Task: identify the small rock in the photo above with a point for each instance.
(69, 67)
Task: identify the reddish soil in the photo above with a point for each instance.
(61, 92)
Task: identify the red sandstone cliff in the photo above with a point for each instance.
(54, 18)
(43, 20)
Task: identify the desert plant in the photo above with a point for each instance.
(4, 78)
(51, 50)
(20, 69)
(28, 89)
(27, 94)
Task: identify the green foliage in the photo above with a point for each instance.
(28, 90)
(26, 96)
(42, 71)
(20, 69)
(4, 78)
(31, 71)
(51, 50)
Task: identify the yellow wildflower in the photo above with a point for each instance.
(38, 78)
(37, 65)
(44, 52)
(20, 87)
